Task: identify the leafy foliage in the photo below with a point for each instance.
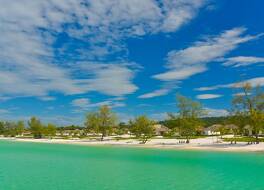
(188, 119)
(101, 121)
(248, 108)
(35, 127)
(142, 127)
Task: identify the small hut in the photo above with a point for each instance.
(232, 128)
(160, 130)
(248, 130)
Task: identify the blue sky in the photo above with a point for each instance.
(60, 59)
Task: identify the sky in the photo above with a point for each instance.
(60, 59)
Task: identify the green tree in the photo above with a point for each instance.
(50, 130)
(189, 116)
(173, 123)
(120, 129)
(10, 129)
(239, 119)
(248, 108)
(2, 128)
(20, 127)
(92, 122)
(101, 121)
(142, 127)
(35, 127)
(257, 121)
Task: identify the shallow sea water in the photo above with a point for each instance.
(36, 166)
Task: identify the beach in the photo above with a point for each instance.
(207, 143)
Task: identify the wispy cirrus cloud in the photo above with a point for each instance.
(81, 102)
(241, 61)
(84, 104)
(32, 59)
(193, 60)
(208, 96)
(164, 90)
(181, 73)
(258, 81)
(155, 93)
(182, 64)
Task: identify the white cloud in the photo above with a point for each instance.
(81, 102)
(112, 104)
(159, 116)
(178, 13)
(29, 30)
(258, 81)
(216, 112)
(208, 96)
(124, 117)
(111, 79)
(182, 64)
(61, 120)
(118, 98)
(4, 111)
(164, 90)
(155, 93)
(206, 88)
(240, 94)
(242, 61)
(47, 98)
(192, 60)
(181, 73)
(84, 104)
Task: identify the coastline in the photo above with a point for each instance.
(202, 144)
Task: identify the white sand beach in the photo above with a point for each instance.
(208, 143)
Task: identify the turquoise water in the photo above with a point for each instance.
(33, 166)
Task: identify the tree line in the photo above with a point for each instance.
(35, 128)
(247, 110)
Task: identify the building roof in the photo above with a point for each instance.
(214, 127)
(159, 127)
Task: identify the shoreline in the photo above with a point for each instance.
(203, 144)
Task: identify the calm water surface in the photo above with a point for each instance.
(32, 166)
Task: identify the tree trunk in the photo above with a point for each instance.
(144, 140)
(257, 138)
(102, 136)
(235, 141)
(187, 140)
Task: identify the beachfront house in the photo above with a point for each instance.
(248, 131)
(231, 128)
(213, 130)
(160, 130)
(71, 133)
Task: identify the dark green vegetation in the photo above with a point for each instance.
(101, 121)
(142, 128)
(246, 119)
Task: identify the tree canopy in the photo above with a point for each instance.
(142, 127)
(101, 121)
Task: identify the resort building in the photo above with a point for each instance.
(160, 130)
(213, 130)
